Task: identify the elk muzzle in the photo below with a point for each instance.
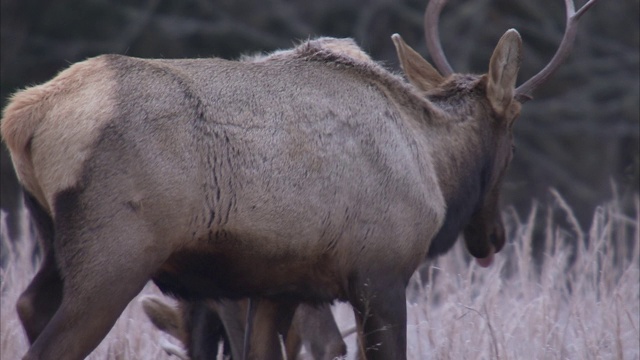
(484, 240)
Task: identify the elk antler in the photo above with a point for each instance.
(524, 92)
(432, 35)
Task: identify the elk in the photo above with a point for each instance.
(201, 326)
(308, 177)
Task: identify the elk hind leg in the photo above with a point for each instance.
(103, 266)
(267, 320)
(204, 328)
(37, 304)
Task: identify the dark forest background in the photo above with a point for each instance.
(580, 135)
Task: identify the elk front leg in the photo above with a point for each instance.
(318, 331)
(381, 316)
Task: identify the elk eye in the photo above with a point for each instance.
(513, 149)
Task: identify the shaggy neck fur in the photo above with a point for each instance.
(461, 155)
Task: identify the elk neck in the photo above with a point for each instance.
(460, 148)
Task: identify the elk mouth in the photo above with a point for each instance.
(483, 246)
(486, 261)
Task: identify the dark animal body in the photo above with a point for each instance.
(308, 175)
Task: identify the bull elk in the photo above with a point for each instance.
(311, 175)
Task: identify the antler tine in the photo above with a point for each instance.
(524, 92)
(432, 35)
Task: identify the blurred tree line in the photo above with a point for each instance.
(580, 135)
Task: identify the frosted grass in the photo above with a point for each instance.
(580, 301)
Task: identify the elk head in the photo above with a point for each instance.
(494, 101)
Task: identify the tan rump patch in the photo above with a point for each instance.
(50, 128)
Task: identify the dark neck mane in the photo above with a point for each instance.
(463, 166)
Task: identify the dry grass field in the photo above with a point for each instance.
(580, 300)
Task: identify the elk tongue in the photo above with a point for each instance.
(486, 261)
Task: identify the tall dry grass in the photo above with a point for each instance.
(580, 300)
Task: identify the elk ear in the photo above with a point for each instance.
(417, 70)
(503, 71)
